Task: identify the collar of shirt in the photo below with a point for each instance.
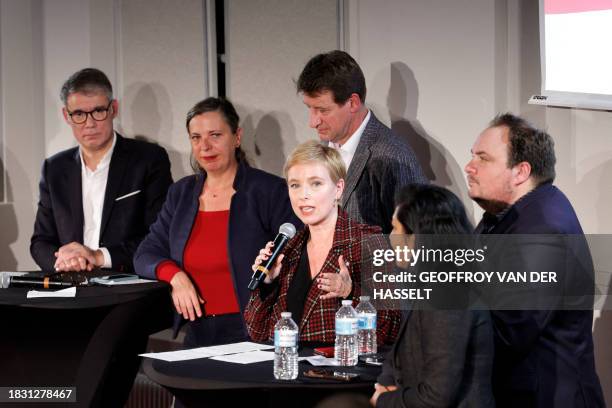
(348, 149)
(104, 163)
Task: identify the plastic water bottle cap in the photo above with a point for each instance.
(347, 302)
(285, 315)
(364, 298)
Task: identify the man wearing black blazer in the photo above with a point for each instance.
(543, 358)
(97, 200)
(379, 163)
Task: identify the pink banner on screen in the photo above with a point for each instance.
(575, 6)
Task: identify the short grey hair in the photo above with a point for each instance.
(87, 80)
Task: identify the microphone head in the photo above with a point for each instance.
(287, 229)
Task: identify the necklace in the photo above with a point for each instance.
(217, 191)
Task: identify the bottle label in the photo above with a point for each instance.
(367, 321)
(346, 326)
(285, 338)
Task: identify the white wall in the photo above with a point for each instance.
(268, 43)
(64, 51)
(22, 126)
(161, 72)
(431, 75)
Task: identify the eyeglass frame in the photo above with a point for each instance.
(90, 113)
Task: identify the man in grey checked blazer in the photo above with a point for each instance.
(379, 162)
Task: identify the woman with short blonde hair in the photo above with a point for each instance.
(321, 265)
(313, 151)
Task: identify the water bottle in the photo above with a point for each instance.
(366, 326)
(345, 350)
(285, 348)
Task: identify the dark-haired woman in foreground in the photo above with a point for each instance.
(211, 227)
(441, 358)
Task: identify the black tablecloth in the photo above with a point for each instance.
(86, 296)
(202, 374)
(204, 381)
(90, 341)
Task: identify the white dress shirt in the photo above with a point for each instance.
(94, 188)
(348, 149)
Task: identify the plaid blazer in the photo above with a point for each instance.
(318, 318)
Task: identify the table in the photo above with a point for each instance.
(206, 382)
(91, 341)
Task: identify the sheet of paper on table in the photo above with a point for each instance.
(206, 352)
(98, 281)
(320, 361)
(246, 358)
(68, 292)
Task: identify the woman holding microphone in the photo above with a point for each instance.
(320, 266)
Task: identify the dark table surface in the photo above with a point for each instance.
(207, 374)
(90, 341)
(206, 382)
(86, 296)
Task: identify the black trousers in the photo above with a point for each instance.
(213, 330)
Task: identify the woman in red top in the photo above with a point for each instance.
(213, 145)
(211, 227)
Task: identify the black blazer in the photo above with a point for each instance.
(441, 358)
(544, 358)
(135, 166)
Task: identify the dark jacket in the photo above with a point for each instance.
(544, 358)
(135, 166)
(441, 358)
(258, 208)
(383, 163)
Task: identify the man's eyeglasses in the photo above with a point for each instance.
(98, 114)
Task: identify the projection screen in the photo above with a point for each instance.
(576, 53)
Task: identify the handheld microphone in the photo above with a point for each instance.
(285, 233)
(45, 282)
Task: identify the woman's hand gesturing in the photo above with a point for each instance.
(336, 284)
